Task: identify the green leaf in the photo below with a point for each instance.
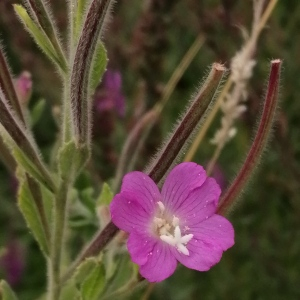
(6, 293)
(106, 195)
(30, 167)
(39, 36)
(72, 159)
(48, 200)
(37, 111)
(79, 17)
(31, 214)
(85, 268)
(93, 286)
(69, 291)
(98, 66)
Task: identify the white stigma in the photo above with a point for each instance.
(170, 232)
(177, 240)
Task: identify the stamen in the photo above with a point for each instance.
(170, 233)
(159, 222)
(175, 221)
(161, 206)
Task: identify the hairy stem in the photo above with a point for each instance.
(202, 131)
(57, 244)
(259, 143)
(187, 124)
(81, 69)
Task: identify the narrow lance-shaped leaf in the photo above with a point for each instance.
(37, 196)
(259, 143)
(98, 66)
(6, 157)
(31, 214)
(70, 160)
(193, 116)
(39, 11)
(40, 37)
(94, 283)
(80, 102)
(7, 87)
(86, 267)
(14, 135)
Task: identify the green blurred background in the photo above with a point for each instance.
(145, 41)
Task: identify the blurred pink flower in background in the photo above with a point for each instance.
(12, 262)
(108, 96)
(23, 87)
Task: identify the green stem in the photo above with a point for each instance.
(79, 83)
(67, 123)
(57, 245)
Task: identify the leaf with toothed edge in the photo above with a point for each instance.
(98, 66)
(72, 159)
(31, 215)
(90, 277)
(34, 168)
(39, 36)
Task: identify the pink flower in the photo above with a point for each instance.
(177, 225)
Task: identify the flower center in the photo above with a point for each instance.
(169, 231)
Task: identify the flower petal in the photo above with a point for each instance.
(200, 204)
(143, 189)
(161, 263)
(139, 245)
(183, 179)
(211, 238)
(128, 214)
